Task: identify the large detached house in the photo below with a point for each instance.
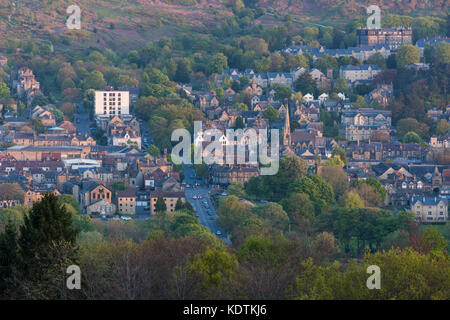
(430, 209)
(357, 125)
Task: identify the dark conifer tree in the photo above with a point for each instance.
(160, 205)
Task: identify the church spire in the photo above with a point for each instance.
(287, 128)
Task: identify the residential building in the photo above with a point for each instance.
(170, 199)
(126, 201)
(3, 61)
(359, 124)
(422, 43)
(227, 174)
(430, 209)
(112, 103)
(94, 197)
(358, 74)
(33, 196)
(440, 142)
(392, 37)
(40, 153)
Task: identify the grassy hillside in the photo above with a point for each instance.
(118, 23)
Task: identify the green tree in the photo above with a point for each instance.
(407, 54)
(46, 246)
(410, 124)
(378, 60)
(271, 114)
(4, 90)
(232, 212)
(299, 207)
(183, 72)
(179, 205)
(273, 214)
(39, 100)
(38, 126)
(239, 123)
(236, 189)
(154, 151)
(218, 63)
(70, 199)
(443, 52)
(411, 137)
(353, 201)
(319, 191)
(281, 92)
(11, 191)
(442, 127)
(95, 81)
(160, 205)
(335, 161)
(118, 186)
(305, 83)
(337, 178)
(216, 269)
(8, 256)
(68, 109)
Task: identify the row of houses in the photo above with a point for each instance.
(361, 53)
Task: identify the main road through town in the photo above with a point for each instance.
(204, 208)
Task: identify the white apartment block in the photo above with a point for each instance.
(112, 103)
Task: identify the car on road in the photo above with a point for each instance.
(218, 233)
(194, 197)
(200, 197)
(188, 186)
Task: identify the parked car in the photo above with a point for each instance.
(218, 233)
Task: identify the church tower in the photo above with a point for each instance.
(287, 128)
(436, 180)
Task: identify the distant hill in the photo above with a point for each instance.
(114, 21)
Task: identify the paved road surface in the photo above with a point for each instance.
(82, 120)
(206, 218)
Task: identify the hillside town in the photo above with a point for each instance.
(222, 150)
(43, 154)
